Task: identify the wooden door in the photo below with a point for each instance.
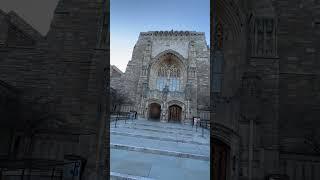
(175, 113)
(220, 160)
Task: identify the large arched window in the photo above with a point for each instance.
(169, 74)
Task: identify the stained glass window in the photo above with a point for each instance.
(168, 75)
(161, 83)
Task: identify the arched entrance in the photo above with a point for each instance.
(175, 112)
(154, 111)
(220, 159)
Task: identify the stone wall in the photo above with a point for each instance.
(298, 43)
(269, 97)
(68, 67)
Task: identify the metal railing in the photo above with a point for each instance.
(30, 169)
(203, 123)
(115, 117)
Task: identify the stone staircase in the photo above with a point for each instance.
(142, 148)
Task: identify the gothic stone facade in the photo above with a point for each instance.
(168, 75)
(265, 90)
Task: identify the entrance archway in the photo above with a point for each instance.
(220, 159)
(154, 111)
(175, 112)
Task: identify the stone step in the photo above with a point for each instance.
(176, 126)
(140, 135)
(163, 145)
(195, 135)
(152, 129)
(160, 152)
(121, 176)
(165, 126)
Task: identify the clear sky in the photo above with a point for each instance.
(130, 17)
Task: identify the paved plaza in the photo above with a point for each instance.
(152, 150)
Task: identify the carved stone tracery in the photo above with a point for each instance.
(263, 37)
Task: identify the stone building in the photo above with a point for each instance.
(168, 75)
(265, 90)
(115, 78)
(53, 93)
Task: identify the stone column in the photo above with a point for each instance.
(164, 113)
(164, 109)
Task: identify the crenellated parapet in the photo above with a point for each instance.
(172, 33)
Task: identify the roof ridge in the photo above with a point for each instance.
(24, 26)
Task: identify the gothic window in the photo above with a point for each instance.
(169, 75)
(263, 40)
(192, 72)
(144, 70)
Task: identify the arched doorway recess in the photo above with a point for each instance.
(221, 157)
(154, 111)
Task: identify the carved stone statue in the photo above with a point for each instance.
(188, 91)
(165, 92)
(145, 89)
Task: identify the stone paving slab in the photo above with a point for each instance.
(162, 167)
(147, 136)
(160, 152)
(121, 176)
(196, 138)
(158, 144)
(138, 168)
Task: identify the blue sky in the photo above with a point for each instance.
(130, 17)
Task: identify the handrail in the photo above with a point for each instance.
(123, 116)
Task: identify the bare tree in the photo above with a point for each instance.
(117, 100)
